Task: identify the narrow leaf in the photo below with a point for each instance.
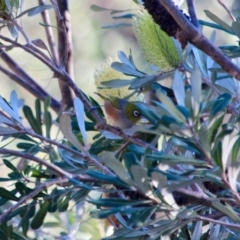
(40, 215)
(79, 110)
(65, 126)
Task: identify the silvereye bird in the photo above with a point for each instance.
(120, 112)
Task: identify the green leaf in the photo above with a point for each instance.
(217, 20)
(220, 103)
(178, 88)
(214, 127)
(197, 233)
(196, 81)
(35, 10)
(97, 8)
(38, 111)
(117, 83)
(201, 59)
(4, 193)
(4, 131)
(235, 150)
(29, 147)
(173, 160)
(32, 120)
(213, 25)
(116, 202)
(140, 176)
(233, 172)
(48, 122)
(126, 69)
(149, 79)
(5, 106)
(40, 215)
(236, 28)
(170, 107)
(226, 209)
(14, 104)
(65, 126)
(63, 205)
(47, 103)
(119, 25)
(25, 226)
(110, 161)
(10, 165)
(217, 154)
(141, 218)
(130, 159)
(113, 180)
(79, 110)
(124, 59)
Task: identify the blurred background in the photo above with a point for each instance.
(92, 45)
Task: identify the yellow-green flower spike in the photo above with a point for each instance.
(105, 73)
(158, 48)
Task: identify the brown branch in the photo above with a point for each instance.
(192, 13)
(24, 80)
(194, 36)
(65, 50)
(226, 224)
(49, 32)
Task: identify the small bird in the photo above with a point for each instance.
(120, 112)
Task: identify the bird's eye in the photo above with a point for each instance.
(136, 113)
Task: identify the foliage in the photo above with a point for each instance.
(177, 177)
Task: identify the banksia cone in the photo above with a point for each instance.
(158, 48)
(105, 73)
(166, 21)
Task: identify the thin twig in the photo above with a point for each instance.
(226, 224)
(31, 157)
(227, 10)
(49, 32)
(192, 13)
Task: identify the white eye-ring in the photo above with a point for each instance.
(136, 113)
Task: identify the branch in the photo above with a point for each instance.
(80, 154)
(227, 10)
(65, 50)
(49, 32)
(31, 157)
(230, 225)
(194, 36)
(38, 189)
(192, 13)
(24, 80)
